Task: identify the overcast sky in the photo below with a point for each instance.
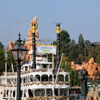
(75, 16)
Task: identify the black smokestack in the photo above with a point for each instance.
(58, 44)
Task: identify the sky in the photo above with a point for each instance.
(76, 17)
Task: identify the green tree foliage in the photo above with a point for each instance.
(24, 41)
(72, 51)
(81, 42)
(98, 54)
(1, 46)
(2, 61)
(87, 44)
(81, 46)
(1, 58)
(65, 39)
(10, 61)
(73, 75)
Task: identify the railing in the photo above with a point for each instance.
(42, 70)
(36, 83)
(49, 98)
(57, 98)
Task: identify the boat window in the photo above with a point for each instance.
(37, 77)
(4, 93)
(30, 93)
(40, 92)
(25, 68)
(49, 92)
(13, 93)
(8, 80)
(61, 92)
(60, 77)
(50, 78)
(14, 80)
(66, 78)
(7, 92)
(25, 93)
(44, 77)
(44, 66)
(56, 92)
(24, 80)
(65, 92)
(10, 93)
(31, 78)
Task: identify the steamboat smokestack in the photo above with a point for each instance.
(34, 45)
(58, 44)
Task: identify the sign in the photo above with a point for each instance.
(49, 49)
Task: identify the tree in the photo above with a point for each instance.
(87, 44)
(73, 75)
(10, 61)
(1, 45)
(81, 46)
(24, 41)
(98, 54)
(2, 61)
(64, 40)
(81, 42)
(72, 50)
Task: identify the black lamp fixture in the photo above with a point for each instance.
(19, 52)
(83, 76)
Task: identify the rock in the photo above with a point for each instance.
(90, 66)
(91, 61)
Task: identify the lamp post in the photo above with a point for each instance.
(19, 53)
(33, 28)
(83, 76)
(58, 44)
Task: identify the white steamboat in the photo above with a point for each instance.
(36, 83)
(40, 83)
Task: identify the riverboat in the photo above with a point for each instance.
(44, 82)
(36, 83)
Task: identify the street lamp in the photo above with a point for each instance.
(83, 76)
(33, 28)
(19, 53)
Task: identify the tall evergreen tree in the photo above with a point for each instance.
(81, 46)
(81, 42)
(72, 50)
(65, 40)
